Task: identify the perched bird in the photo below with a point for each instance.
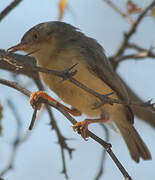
(58, 45)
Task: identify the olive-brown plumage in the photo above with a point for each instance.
(57, 45)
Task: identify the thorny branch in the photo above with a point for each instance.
(102, 158)
(30, 62)
(67, 74)
(61, 139)
(115, 59)
(106, 145)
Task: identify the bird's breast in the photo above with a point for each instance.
(70, 93)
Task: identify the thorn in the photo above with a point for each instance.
(109, 94)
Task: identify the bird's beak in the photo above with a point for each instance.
(18, 47)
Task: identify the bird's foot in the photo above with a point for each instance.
(81, 128)
(34, 97)
(42, 94)
(74, 111)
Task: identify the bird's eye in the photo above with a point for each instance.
(35, 36)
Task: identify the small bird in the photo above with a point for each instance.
(58, 45)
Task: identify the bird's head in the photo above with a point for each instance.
(44, 35)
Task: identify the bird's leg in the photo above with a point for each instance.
(37, 94)
(82, 126)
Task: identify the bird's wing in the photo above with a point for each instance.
(100, 65)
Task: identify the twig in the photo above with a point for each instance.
(20, 59)
(119, 11)
(131, 31)
(66, 74)
(116, 10)
(106, 145)
(9, 8)
(143, 114)
(64, 170)
(135, 56)
(61, 139)
(11, 59)
(15, 86)
(142, 53)
(107, 137)
(17, 141)
(136, 47)
(149, 52)
(33, 119)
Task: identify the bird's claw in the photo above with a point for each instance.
(34, 97)
(81, 128)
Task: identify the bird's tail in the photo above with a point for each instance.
(135, 144)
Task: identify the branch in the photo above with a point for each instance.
(149, 52)
(61, 139)
(131, 31)
(142, 113)
(66, 74)
(9, 8)
(119, 11)
(142, 53)
(102, 159)
(139, 56)
(73, 121)
(17, 141)
(28, 61)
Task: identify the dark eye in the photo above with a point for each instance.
(35, 36)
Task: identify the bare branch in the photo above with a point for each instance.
(64, 170)
(143, 114)
(61, 139)
(17, 141)
(119, 11)
(66, 74)
(15, 86)
(20, 59)
(140, 56)
(149, 52)
(102, 159)
(131, 31)
(9, 8)
(142, 53)
(136, 47)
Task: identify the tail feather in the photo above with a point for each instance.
(134, 142)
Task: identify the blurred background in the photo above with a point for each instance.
(39, 156)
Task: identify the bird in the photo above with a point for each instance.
(58, 45)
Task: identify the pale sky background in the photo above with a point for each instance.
(39, 158)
